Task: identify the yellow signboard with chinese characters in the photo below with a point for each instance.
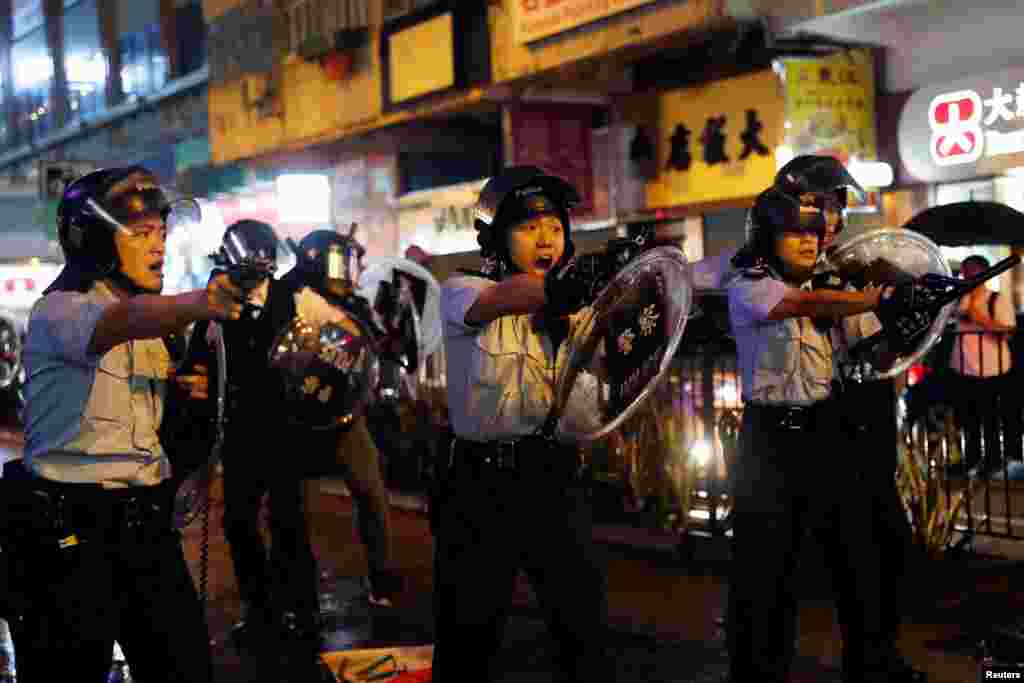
(830, 106)
(717, 141)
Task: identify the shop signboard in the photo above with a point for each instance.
(421, 59)
(969, 128)
(536, 19)
(558, 139)
(830, 106)
(830, 110)
(717, 141)
(439, 221)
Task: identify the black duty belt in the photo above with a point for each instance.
(531, 455)
(79, 512)
(788, 418)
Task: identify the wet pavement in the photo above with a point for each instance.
(665, 610)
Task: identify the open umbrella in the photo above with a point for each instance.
(970, 223)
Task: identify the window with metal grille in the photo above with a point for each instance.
(315, 20)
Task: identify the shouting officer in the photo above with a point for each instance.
(511, 496)
(786, 362)
(92, 508)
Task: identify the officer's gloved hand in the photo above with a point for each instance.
(904, 313)
(574, 285)
(828, 279)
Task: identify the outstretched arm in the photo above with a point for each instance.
(150, 316)
(823, 303)
(515, 295)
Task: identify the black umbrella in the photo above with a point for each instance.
(970, 223)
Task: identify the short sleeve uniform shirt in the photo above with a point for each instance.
(785, 361)
(88, 418)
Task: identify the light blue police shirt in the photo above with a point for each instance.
(784, 362)
(89, 418)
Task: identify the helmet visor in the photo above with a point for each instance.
(138, 208)
(810, 220)
(343, 261)
(829, 175)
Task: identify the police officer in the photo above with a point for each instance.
(354, 451)
(284, 582)
(511, 497)
(280, 592)
(92, 510)
(786, 363)
(867, 409)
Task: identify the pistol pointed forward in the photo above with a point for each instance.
(912, 308)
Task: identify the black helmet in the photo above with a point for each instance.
(91, 210)
(811, 174)
(517, 193)
(249, 239)
(774, 211)
(329, 254)
(94, 206)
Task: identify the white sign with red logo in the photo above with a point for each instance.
(960, 131)
(969, 128)
(21, 286)
(536, 19)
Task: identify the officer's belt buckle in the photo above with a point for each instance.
(795, 419)
(504, 456)
(132, 514)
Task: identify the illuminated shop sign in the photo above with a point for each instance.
(973, 127)
(962, 124)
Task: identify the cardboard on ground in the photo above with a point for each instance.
(412, 658)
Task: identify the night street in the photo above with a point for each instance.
(707, 312)
(663, 613)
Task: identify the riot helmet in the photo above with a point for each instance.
(100, 204)
(819, 181)
(775, 212)
(517, 194)
(249, 239)
(329, 260)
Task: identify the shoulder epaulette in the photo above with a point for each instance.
(756, 272)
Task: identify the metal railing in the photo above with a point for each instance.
(963, 461)
(961, 424)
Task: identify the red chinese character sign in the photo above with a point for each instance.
(968, 128)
